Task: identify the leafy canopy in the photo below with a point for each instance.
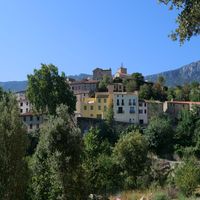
(47, 90)
(13, 142)
(188, 19)
(56, 160)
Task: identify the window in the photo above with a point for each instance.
(21, 104)
(91, 107)
(134, 102)
(120, 110)
(99, 107)
(31, 118)
(130, 120)
(145, 105)
(105, 100)
(91, 115)
(117, 102)
(141, 121)
(145, 111)
(122, 102)
(105, 108)
(132, 110)
(129, 102)
(99, 116)
(140, 104)
(27, 103)
(31, 126)
(38, 118)
(26, 109)
(21, 110)
(24, 118)
(99, 100)
(140, 111)
(85, 107)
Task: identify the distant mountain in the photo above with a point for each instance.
(80, 76)
(185, 74)
(16, 86)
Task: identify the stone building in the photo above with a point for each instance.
(31, 120)
(99, 73)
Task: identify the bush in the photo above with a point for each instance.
(160, 196)
(187, 176)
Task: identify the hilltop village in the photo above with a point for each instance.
(107, 93)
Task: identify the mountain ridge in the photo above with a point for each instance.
(185, 74)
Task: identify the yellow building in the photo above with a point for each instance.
(96, 107)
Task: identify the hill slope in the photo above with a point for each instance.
(185, 74)
(15, 86)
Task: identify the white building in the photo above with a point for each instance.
(125, 107)
(23, 102)
(128, 108)
(32, 121)
(142, 112)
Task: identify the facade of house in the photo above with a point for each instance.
(79, 99)
(173, 108)
(23, 102)
(154, 108)
(142, 112)
(96, 107)
(125, 107)
(99, 73)
(83, 86)
(31, 121)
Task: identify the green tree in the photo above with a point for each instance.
(170, 94)
(104, 83)
(187, 20)
(138, 77)
(131, 85)
(55, 164)
(134, 82)
(194, 92)
(146, 92)
(99, 167)
(130, 153)
(185, 128)
(160, 135)
(187, 176)
(161, 81)
(13, 143)
(159, 92)
(47, 90)
(179, 95)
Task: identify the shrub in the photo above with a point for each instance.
(160, 196)
(187, 176)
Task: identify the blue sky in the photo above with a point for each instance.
(79, 35)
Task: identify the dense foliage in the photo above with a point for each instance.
(56, 160)
(188, 19)
(187, 176)
(47, 90)
(13, 141)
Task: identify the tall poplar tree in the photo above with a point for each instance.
(13, 169)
